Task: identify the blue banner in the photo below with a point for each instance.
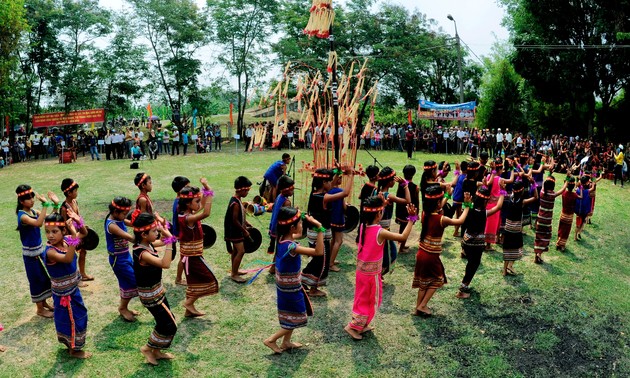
(424, 104)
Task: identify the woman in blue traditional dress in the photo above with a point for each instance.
(71, 316)
(293, 303)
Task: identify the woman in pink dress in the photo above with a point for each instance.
(369, 282)
(494, 220)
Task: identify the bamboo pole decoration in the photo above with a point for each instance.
(322, 16)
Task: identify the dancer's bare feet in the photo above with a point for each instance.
(335, 268)
(134, 312)
(273, 346)
(2, 348)
(127, 315)
(291, 345)
(82, 284)
(367, 329)
(181, 283)
(48, 306)
(238, 279)
(85, 277)
(462, 295)
(80, 354)
(148, 355)
(193, 314)
(423, 311)
(45, 313)
(315, 292)
(353, 333)
(241, 272)
(159, 355)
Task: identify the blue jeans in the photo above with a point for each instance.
(94, 151)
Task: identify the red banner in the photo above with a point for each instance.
(72, 118)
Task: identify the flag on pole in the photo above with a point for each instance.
(195, 118)
(150, 114)
(231, 116)
(409, 117)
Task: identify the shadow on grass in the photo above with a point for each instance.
(64, 365)
(164, 369)
(286, 364)
(106, 339)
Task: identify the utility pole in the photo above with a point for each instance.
(459, 60)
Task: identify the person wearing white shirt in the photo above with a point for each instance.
(175, 141)
(519, 144)
(108, 145)
(499, 145)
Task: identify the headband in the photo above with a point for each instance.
(55, 224)
(25, 192)
(290, 220)
(321, 175)
(288, 188)
(434, 196)
(191, 195)
(66, 190)
(428, 167)
(145, 228)
(122, 208)
(244, 188)
(551, 179)
(478, 194)
(144, 177)
(517, 190)
(388, 176)
(469, 168)
(373, 209)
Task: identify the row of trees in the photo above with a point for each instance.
(72, 54)
(566, 70)
(566, 67)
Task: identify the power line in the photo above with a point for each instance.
(570, 47)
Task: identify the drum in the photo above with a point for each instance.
(254, 241)
(65, 157)
(209, 235)
(255, 209)
(90, 241)
(352, 219)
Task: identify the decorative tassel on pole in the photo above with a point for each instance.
(322, 17)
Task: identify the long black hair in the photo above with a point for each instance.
(286, 214)
(321, 176)
(429, 205)
(117, 203)
(183, 201)
(367, 217)
(141, 220)
(385, 177)
(28, 193)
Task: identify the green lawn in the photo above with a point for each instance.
(568, 317)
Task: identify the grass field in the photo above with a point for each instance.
(568, 317)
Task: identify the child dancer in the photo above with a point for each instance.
(119, 257)
(494, 219)
(178, 183)
(316, 271)
(147, 266)
(545, 217)
(458, 192)
(369, 283)
(429, 272)
(569, 198)
(70, 313)
(293, 303)
(194, 206)
(286, 186)
(386, 180)
(473, 239)
(582, 206)
(401, 209)
(236, 227)
(70, 190)
(369, 187)
(337, 220)
(512, 234)
(143, 202)
(29, 222)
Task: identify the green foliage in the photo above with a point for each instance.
(176, 29)
(242, 28)
(502, 102)
(575, 73)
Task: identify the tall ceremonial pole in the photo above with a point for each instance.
(320, 26)
(335, 96)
